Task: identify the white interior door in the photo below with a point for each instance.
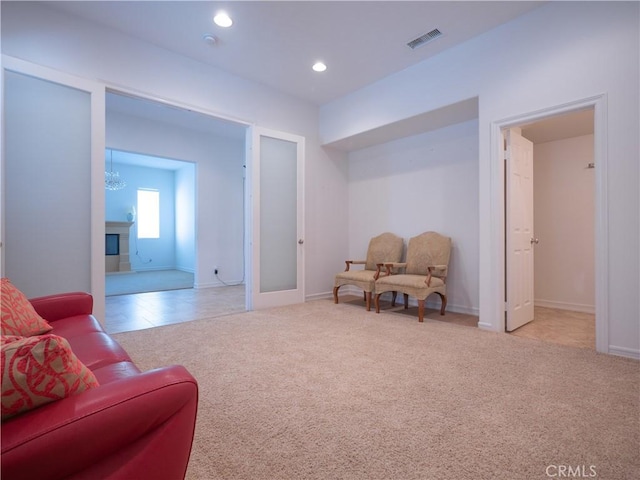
(519, 229)
(53, 181)
(276, 243)
(47, 161)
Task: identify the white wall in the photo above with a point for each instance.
(564, 222)
(219, 208)
(559, 53)
(185, 218)
(426, 182)
(43, 36)
(220, 213)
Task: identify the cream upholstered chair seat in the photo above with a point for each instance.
(424, 272)
(412, 285)
(385, 248)
(359, 278)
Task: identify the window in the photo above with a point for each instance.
(148, 214)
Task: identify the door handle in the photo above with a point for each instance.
(300, 242)
(534, 241)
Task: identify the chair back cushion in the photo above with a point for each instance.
(386, 247)
(425, 250)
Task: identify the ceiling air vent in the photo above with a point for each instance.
(427, 37)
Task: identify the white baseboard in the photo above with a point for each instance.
(185, 269)
(487, 326)
(451, 307)
(574, 307)
(216, 283)
(155, 268)
(207, 285)
(318, 296)
(624, 352)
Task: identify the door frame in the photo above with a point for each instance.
(118, 89)
(497, 276)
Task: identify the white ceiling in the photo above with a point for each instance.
(568, 125)
(141, 160)
(276, 43)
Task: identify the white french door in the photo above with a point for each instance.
(275, 178)
(519, 228)
(53, 181)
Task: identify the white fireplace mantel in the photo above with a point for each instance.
(119, 263)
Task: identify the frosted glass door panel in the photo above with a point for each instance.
(47, 185)
(278, 215)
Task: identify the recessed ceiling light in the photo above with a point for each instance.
(222, 20)
(319, 67)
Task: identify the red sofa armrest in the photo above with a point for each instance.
(63, 305)
(138, 427)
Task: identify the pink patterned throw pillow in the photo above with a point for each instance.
(18, 316)
(38, 370)
(4, 339)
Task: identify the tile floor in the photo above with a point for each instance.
(146, 310)
(564, 327)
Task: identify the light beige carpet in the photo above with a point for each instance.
(324, 391)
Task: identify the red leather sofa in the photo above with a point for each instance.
(134, 425)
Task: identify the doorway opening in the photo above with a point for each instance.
(154, 217)
(197, 163)
(556, 260)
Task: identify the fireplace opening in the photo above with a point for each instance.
(112, 244)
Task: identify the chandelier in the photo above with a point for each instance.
(112, 180)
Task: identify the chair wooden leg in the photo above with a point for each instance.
(364, 295)
(377, 302)
(420, 310)
(406, 301)
(368, 300)
(335, 294)
(444, 303)
(394, 295)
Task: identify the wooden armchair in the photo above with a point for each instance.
(424, 272)
(385, 248)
